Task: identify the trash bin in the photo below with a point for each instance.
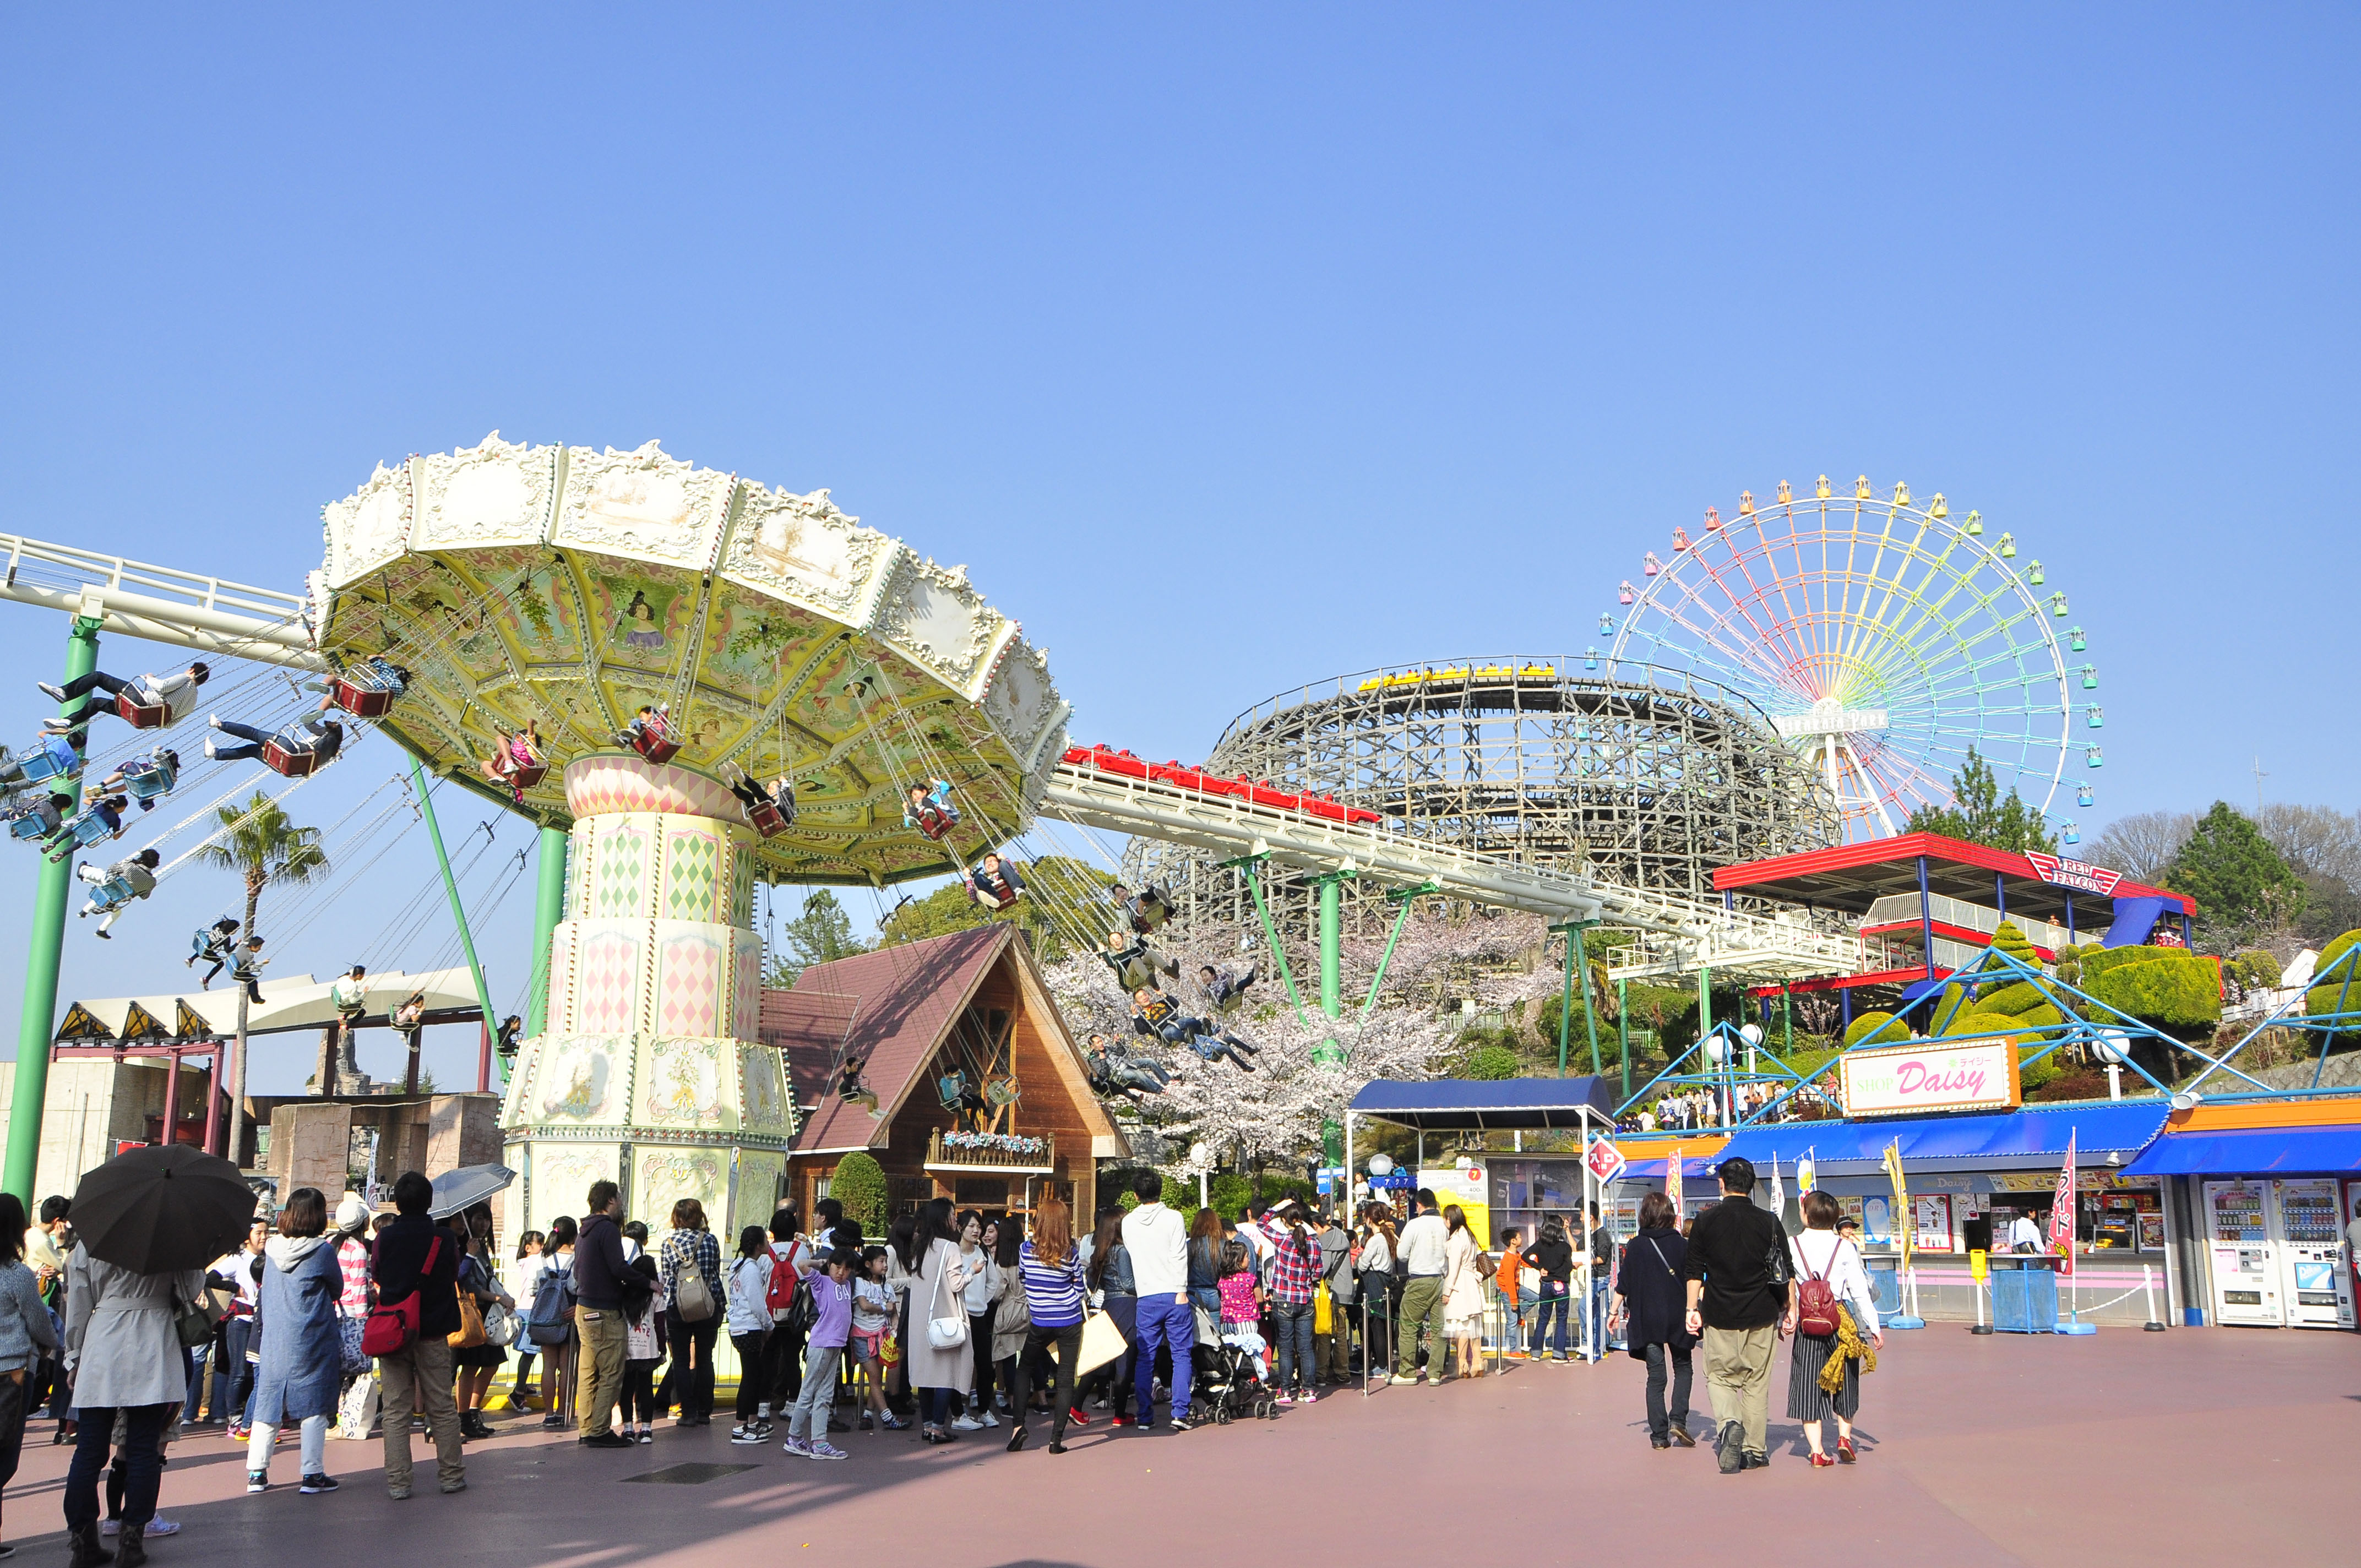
(2024, 1297)
(1885, 1287)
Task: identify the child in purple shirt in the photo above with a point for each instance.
(823, 1350)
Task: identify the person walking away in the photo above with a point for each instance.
(1462, 1294)
(1421, 1255)
(1843, 1303)
(749, 1315)
(1373, 1261)
(598, 1264)
(1736, 1280)
(122, 1354)
(1294, 1276)
(479, 1277)
(644, 1345)
(1051, 1266)
(874, 1303)
(831, 1329)
(1603, 1275)
(1159, 1246)
(1553, 1257)
(415, 1255)
(519, 1277)
(27, 1337)
(785, 1346)
(985, 1281)
(356, 1394)
(1011, 1322)
(1652, 1310)
(303, 1354)
(696, 1312)
(1332, 1352)
(1207, 1236)
(937, 1370)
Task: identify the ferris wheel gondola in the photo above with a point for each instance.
(1884, 637)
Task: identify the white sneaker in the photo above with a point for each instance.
(1309, 1396)
(823, 1449)
(990, 1420)
(967, 1423)
(762, 1410)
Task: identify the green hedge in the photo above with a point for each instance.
(2336, 950)
(1875, 1029)
(2014, 999)
(2172, 988)
(2096, 961)
(1491, 1062)
(2255, 968)
(859, 1183)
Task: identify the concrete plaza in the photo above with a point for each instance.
(2211, 1446)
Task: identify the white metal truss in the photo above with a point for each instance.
(185, 610)
(1677, 933)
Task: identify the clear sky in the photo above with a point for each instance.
(1230, 348)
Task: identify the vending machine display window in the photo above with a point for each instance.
(2123, 1221)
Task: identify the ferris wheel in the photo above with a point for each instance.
(1883, 638)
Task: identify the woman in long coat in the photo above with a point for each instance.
(122, 1353)
(1656, 1311)
(302, 1345)
(935, 1288)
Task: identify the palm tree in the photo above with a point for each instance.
(264, 847)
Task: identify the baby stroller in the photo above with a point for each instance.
(1228, 1385)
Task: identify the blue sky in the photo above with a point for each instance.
(1230, 349)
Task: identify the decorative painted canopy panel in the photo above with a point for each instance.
(567, 586)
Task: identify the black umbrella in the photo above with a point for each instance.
(155, 1210)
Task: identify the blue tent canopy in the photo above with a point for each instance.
(2029, 1139)
(1487, 1104)
(2258, 1151)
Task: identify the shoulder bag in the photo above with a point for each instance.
(195, 1321)
(392, 1326)
(945, 1334)
(693, 1298)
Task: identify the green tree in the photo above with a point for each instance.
(1978, 816)
(262, 844)
(860, 1185)
(821, 933)
(2240, 882)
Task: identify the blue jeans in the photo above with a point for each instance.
(229, 1360)
(194, 1394)
(1552, 1303)
(1168, 1321)
(1600, 1303)
(143, 1464)
(1291, 1322)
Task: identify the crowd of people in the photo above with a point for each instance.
(383, 1325)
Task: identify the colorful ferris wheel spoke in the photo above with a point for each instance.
(1882, 637)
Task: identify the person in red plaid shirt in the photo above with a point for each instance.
(1293, 1273)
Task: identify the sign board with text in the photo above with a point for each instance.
(1933, 1076)
(2078, 874)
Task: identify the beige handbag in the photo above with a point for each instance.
(1103, 1342)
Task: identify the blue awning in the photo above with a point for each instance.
(1476, 1104)
(2255, 1151)
(2029, 1139)
(1692, 1167)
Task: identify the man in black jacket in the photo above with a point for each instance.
(599, 1267)
(419, 1377)
(1737, 1281)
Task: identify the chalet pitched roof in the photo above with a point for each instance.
(908, 998)
(808, 1028)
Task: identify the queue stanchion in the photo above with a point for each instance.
(2147, 1283)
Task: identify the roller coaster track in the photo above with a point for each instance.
(1676, 934)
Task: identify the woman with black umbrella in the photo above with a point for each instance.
(123, 1353)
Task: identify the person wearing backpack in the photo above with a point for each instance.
(791, 1260)
(1829, 1310)
(1651, 1316)
(691, 1264)
(414, 1257)
(550, 1328)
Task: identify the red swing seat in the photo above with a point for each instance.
(140, 715)
(936, 824)
(358, 700)
(768, 819)
(292, 765)
(653, 749)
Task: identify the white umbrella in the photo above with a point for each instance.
(467, 1185)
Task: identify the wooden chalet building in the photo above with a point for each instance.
(980, 1093)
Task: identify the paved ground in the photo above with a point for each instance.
(2222, 1446)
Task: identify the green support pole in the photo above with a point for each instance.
(1787, 1019)
(1254, 886)
(548, 910)
(1589, 1021)
(1566, 1001)
(37, 1017)
(1328, 1053)
(1624, 1031)
(1405, 896)
(451, 890)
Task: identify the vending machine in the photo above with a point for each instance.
(2316, 1287)
(2246, 1283)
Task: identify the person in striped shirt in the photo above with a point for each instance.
(1051, 1268)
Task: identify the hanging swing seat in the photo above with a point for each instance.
(287, 762)
(140, 715)
(936, 822)
(1006, 899)
(1002, 1092)
(768, 819)
(358, 700)
(86, 829)
(36, 820)
(951, 1091)
(654, 750)
(518, 776)
(111, 896)
(56, 758)
(151, 783)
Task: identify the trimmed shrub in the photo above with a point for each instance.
(2336, 950)
(1875, 1029)
(2174, 989)
(2010, 940)
(2033, 1075)
(1976, 1022)
(2255, 968)
(1491, 1061)
(2094, 963)
(858, 1184)
(1947, 1007)
(2014, 1001)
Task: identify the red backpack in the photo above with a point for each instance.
(780, 1294)
(392, 1326)
(1817, 1309)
